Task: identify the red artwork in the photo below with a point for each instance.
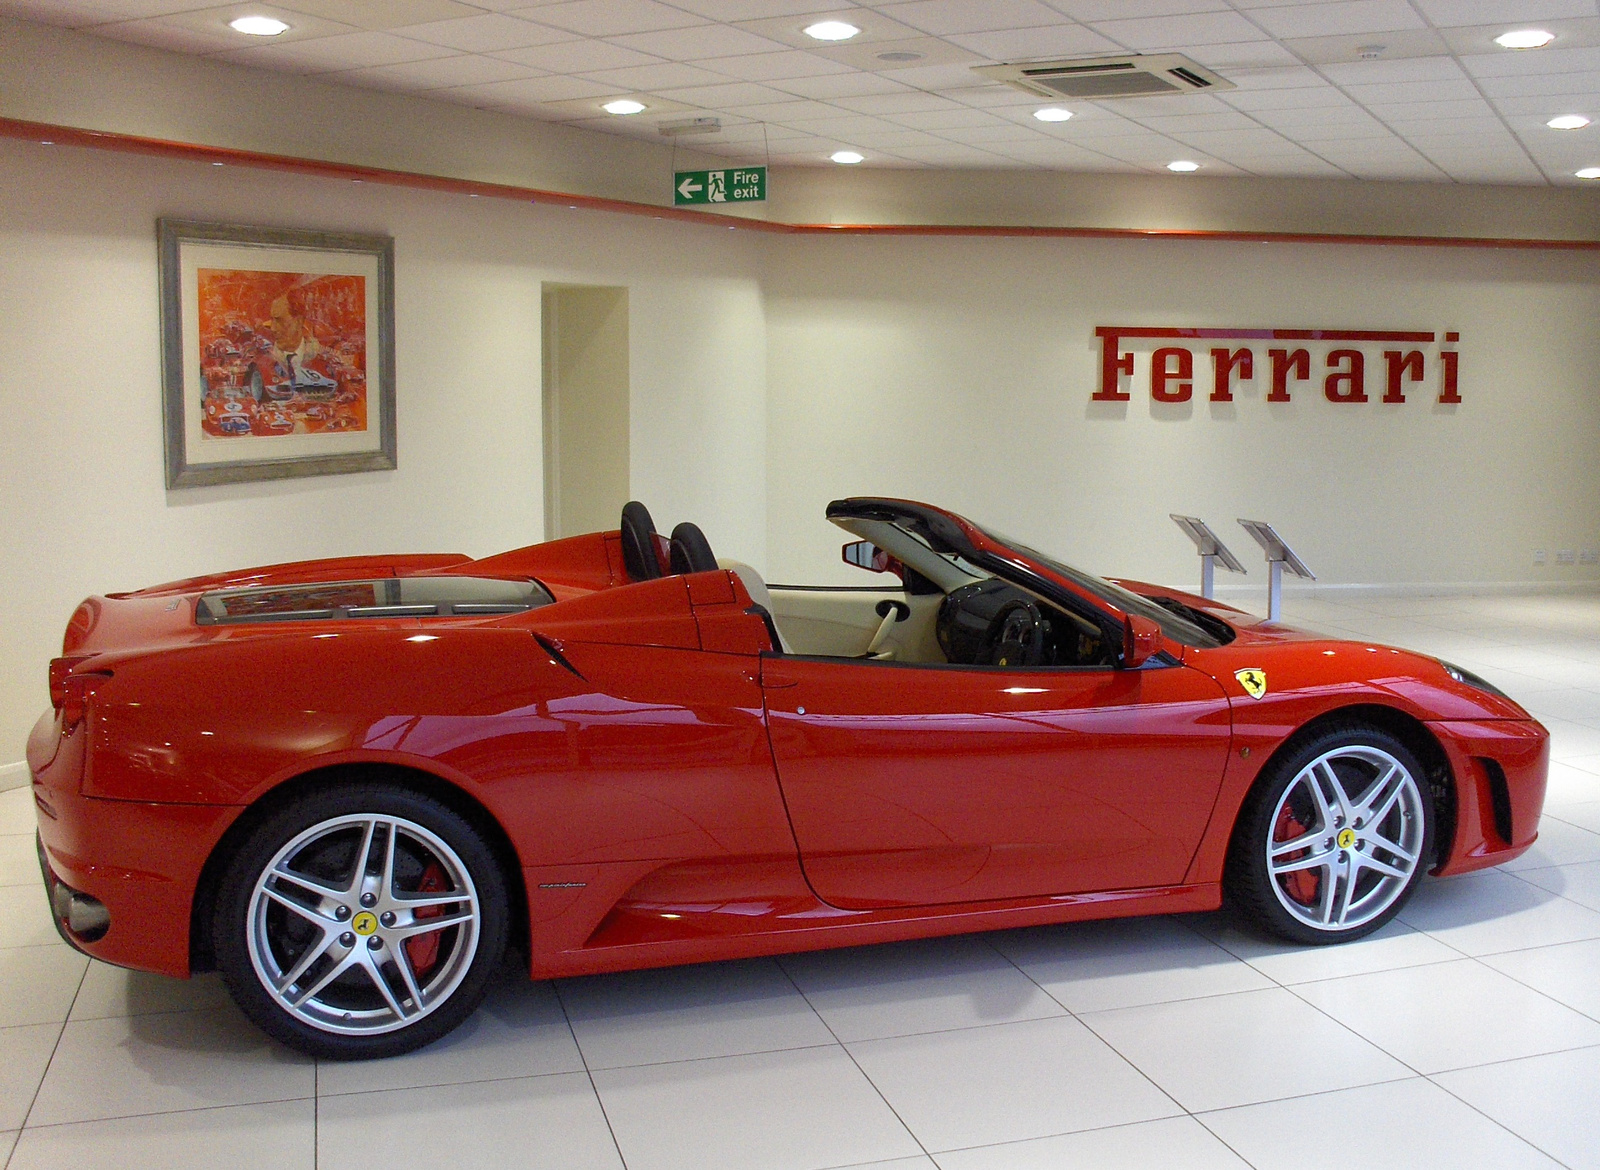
(352, 784)
(281, 353)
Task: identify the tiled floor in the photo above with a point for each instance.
(1467, 1034)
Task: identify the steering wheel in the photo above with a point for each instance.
(1015, 637)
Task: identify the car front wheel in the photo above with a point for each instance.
(1333, 838)
(362, 921)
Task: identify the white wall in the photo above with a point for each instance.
(82, 503)
(960, 370)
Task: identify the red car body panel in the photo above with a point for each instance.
(673, 791)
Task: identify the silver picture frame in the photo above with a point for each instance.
(286, 424)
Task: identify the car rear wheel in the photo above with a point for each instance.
(360, 922)
(1333, 838)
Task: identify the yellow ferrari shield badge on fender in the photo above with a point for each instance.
(1253, 681)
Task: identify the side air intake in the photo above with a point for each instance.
(1098, 78)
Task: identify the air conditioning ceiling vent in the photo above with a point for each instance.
(1098, 78)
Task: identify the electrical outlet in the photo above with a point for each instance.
(1589, 556)
(1538, 556)
(1565, 556)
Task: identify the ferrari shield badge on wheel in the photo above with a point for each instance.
(1253, 681)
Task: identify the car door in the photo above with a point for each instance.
(914, 785)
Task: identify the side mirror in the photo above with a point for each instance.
(1141, 640)
(863, 554)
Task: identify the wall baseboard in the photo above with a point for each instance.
(13, 775)
(1353, 592)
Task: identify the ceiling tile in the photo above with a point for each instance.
(1024, 44)
(1385, 72)
(385, 14)
(801, 113)
(487, 33)
(731, 10)
(1211, 28)
(1348, 16)
(1337, 50)
(782, 66)
(874, 27)
(912, 101)
(1322, 98)
(1560, 83)
(943, 17)
(1292, 77)
(1545, 61)
(578, 56)
(534, 90)
(346, 51)
(717, 97)
(84, 13)
(1226, 58)
(1458, 12)
(1456, 109)
(1223, 120)
(668, 75)
(697, 42)
(166, 33)
(839, 85)
(962, 116)
(1387, 93)
(1112, 9)
(998, 132)
(212, 23)
(1547, 106)
(609, 18)
(467, 69)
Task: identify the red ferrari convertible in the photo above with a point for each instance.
(352, 784)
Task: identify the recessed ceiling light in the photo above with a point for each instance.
(623, 106)
(1568, 122)
(1525, 38)
(831, 30)
(1588, 173)
(1183, 164)
(258, 26)
(848, 158)
(1052, 114)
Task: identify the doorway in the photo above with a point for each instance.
(585, 408)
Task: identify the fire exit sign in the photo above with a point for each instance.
(735, 185)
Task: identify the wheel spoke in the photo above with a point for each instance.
(402, 964)
(1341, 797)
(407, 902)
(1367, 861)
(1347, 893)
(328, 976)
(1372, 812)
(375, 973)
(313, 953)
(298, 908)
(1310, 861)
(1324, 810)
(283, 873)
(429, 925)
(363, 857)
(386, 876)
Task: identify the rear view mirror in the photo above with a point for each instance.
(1141, 640)
(863, 554)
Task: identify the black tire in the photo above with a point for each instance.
(436, 853)
(691, 551)
(1362, 856)
(639, 543)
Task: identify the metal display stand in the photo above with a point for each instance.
(1279, 557)
(1211, 551)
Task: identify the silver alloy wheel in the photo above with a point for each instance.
(1346, 838)
(340, 943)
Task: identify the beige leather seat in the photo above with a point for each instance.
(758, 591)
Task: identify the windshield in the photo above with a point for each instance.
(1174, 626)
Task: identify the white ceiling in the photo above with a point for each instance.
(1441, 102)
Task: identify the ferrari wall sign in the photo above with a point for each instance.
(1348, 366)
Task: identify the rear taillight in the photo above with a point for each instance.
(69, 692)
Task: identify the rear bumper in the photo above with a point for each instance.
(138, 863)
(1501, 767)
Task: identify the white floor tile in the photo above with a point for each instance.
(115, 991)
(1007, 1082)
(1589, 762)
(1179, 1142)
(1547, 1100)
(519, 1031)
(1576, 883)
(163, 1063)
(1568, 973)
(1229, 1049)
(8, 1140)
(1408, 1124)
(1559, 843)
(1395, 945)
(19, 861)
(1583, 813)
(1450, 1015)
(25, 917)
(548, 1121)
(16, 811)
(1093, 966)
(904, 988)
(276, 1136)
(689, 1013)
(798, 1110)
(27, 1055)
(37, 984)
(1483, 913)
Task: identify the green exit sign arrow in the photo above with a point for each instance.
(735, 185)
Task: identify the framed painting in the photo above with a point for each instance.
(277, 350)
